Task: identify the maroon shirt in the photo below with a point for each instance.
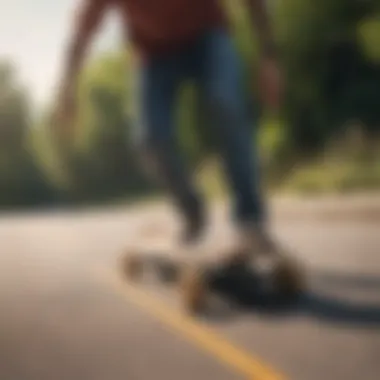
(162, 25)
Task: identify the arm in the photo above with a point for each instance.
(270, 75)
(88, 18)
(260, 18)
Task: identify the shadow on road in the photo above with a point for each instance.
(247, 294)
(348, 281)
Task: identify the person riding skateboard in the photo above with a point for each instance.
(176, 40)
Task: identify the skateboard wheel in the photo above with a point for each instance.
(193, 288)
(132, 266)
(288, 278)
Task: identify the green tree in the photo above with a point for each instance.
(21, 181)
(105, 162)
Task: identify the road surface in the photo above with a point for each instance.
(65, 313)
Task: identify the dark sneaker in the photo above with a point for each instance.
(258, 239)
(194, 229)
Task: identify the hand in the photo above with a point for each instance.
(271, 83)
(65, 112)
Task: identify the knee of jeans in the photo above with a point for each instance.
(224, 107)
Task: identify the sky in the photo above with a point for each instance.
(33, 35)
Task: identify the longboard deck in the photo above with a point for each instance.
(193, 266)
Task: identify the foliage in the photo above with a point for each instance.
(330, 55)
(21, 182)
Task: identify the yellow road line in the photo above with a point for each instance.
(195, 332)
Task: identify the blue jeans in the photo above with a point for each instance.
(213, 63)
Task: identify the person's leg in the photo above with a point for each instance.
(158, 87)
(220, 78)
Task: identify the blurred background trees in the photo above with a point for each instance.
(325, 138)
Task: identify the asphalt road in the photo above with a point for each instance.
(66, 314)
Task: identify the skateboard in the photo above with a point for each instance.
(191, 268)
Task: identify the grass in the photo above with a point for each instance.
(349, 164)
(334, 177)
